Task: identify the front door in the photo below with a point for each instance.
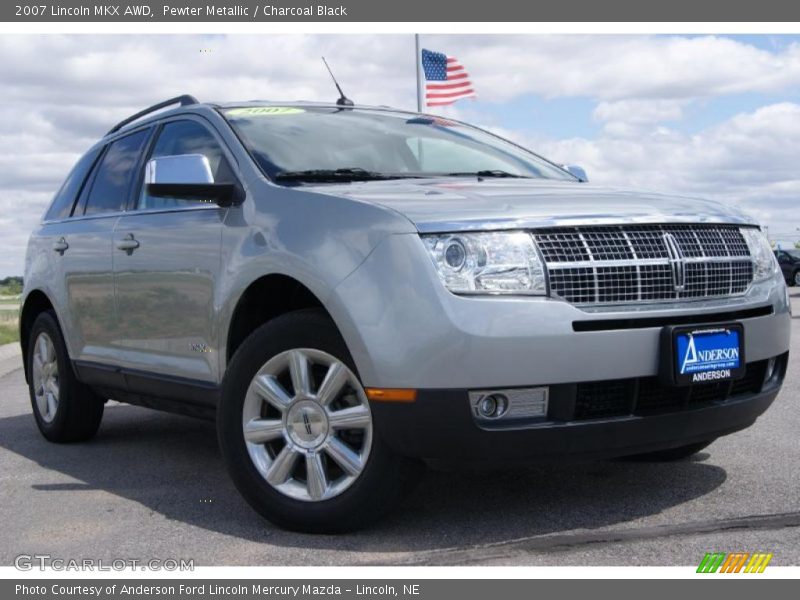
(166, 267)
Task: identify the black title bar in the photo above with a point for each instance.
(182, 11)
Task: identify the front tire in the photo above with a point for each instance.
(795, 278)
(296, 431)
(65, 409)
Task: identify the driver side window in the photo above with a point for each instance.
(186, 137)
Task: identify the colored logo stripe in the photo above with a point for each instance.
(734, 562)
(711, 562)
(758, 563)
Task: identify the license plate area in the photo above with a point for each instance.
(697, 354)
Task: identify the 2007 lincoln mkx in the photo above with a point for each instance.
(349, 291)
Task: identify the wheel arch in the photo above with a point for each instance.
(36, 302)
(265, 298)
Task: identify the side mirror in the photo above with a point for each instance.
(577, 171)
(188, 177)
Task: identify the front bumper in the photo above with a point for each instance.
(440, 424)
(405, 330)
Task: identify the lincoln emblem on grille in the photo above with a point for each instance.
(677, 263)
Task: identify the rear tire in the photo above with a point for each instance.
(65, 409)
(671, 454)
(795, 278)
(337, 477)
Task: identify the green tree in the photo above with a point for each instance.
(11, 286)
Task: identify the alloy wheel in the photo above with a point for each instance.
(307, 424)
(45, 377)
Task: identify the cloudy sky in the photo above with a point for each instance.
(709, 116)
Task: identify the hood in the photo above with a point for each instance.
(438, 205)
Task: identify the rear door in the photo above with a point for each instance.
(48, 255)
(166, 268)
(83, 249)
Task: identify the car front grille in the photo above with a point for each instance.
(645, 263)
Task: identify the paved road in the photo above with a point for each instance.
(153, 485)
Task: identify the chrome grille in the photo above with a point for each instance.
(645, 263)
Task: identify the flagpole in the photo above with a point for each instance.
(419, 72)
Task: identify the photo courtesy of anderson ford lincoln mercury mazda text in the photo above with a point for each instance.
(350, 291)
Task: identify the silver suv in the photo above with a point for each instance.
(349, 291)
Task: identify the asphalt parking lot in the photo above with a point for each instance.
(152, 485)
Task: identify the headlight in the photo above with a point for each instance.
(765, 265)
(487, 263)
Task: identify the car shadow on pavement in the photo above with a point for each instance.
(171, 465)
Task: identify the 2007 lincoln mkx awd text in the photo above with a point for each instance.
(349, 291)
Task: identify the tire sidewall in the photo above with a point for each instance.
(46, 323)
(302, 329)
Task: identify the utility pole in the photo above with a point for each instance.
(419, 72)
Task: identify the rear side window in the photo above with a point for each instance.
(112, 182)
(61, 206)
(187, 137)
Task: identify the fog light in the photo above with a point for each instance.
(509, 404)
(770, 369)
(493, 406)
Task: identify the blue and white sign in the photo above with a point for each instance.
(710, 355)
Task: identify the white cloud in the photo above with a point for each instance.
(619, 67)
(637, 112)
(749, 161)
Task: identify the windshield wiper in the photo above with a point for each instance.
(488, 173)
(359, 174)
(348, 174)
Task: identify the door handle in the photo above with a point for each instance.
(60, 246)
(128, 244)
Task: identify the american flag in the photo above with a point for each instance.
(446, 79)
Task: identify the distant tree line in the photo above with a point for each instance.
(11, 286)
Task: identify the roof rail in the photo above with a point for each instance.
(184, 100)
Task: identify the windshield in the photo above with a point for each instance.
(294, 143)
